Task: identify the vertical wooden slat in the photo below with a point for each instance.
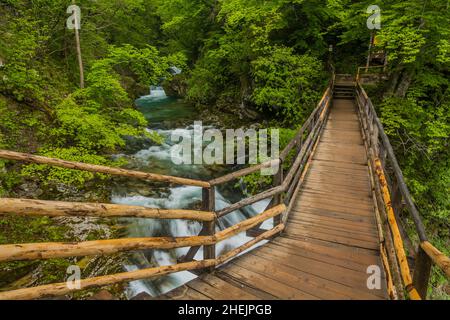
(374, 138)
(208, 195)
(422, 270)
(278, 199)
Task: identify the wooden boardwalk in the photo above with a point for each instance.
(331, 236)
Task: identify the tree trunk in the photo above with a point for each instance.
(78, 44)
(405, 82)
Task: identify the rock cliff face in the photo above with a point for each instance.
(176, 87)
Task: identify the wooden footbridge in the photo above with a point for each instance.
(336, 206)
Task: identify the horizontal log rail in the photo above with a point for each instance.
(59, 289)
(51, 250)
(438, 257)
(244, 172)
(393, 192)
(30, 207)
(10, 155)
(62, 288)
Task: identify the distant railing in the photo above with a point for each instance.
(283, 194)
(369, 72)
(393, 199)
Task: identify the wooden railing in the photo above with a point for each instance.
(393, 201)
(283, 192)
(368, 73)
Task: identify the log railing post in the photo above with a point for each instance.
(278, 199)
(209, 204)
(422, 270)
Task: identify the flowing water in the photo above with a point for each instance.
(166, 116)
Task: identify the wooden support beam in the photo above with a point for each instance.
(250, 223)
(422, 271)
(209, 203)
(264, 236)
(10, 155)
(29, 207)
(278, 199)
(251, 200)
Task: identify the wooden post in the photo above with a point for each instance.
(278, 199)
(422, 270)
(209, 197)
(368, 54)
(375, 140)
(300, 145)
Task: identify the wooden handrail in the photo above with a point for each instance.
(51, 250)
(381, 151)
(440, 259)
(30, 207)
(420, 228)
(398, 242)
(244, 172)
(59, 289)
(11, 155)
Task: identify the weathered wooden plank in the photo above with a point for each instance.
(309, 233)
(245, 287)
(333, 214)
(337, 229)
(335, 223)
(344, 276)
(224, 286)
(344, 257)
(332, 207)
(300, 227)
(265, 283)
(323, 288)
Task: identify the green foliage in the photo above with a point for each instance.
(255, 183)
(48, 174)
(286, 83)
(246, 57)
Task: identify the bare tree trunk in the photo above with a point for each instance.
(392, 84)
(405, 82)
(77, 40)
(369, 52)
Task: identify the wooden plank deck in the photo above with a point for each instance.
(330, 239)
